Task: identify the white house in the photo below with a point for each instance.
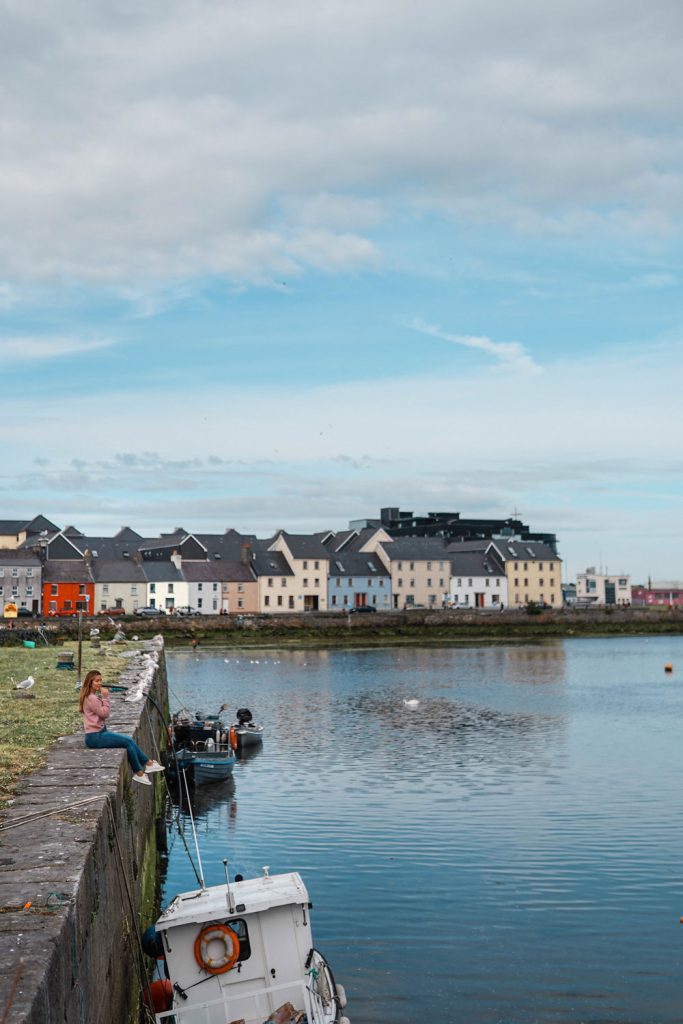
(478, 580)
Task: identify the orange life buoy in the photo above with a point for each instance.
(231, 948)
(233, 737)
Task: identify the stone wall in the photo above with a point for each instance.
(85, 871)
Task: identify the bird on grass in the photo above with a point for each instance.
(25, 684)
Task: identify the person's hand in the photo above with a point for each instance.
(104, 692)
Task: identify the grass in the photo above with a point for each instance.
(28, 727)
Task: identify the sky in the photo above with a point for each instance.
(269, 265)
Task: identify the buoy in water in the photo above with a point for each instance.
(159, 996)
(668, 667)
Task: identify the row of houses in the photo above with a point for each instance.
(57, 572)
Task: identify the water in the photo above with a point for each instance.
(509, 851)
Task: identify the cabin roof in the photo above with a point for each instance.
(254, 894)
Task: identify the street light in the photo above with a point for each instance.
(80, 637)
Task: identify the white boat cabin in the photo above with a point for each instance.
(240, 952)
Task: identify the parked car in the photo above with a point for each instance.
(148, 612)
(362, 609)
(185, 609)
(25, 613)
(113, 611)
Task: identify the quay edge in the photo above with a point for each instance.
(76, 887)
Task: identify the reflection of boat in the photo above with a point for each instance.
(246, 732)
(212, 764)
(244, 952)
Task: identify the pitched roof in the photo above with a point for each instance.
(119, 570)
(66, 570)
(418, 549)
(476, 563)
(226, 545)
(356, 563)
(304, 545)
(161, 572)
(524, 550)
(268, 563)
(18, 556)
(217, 572)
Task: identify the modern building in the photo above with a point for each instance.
(601, 590)
(451, 526)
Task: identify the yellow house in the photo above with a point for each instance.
(309, 561)
(533, 571)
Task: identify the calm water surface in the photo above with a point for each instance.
(510, 851)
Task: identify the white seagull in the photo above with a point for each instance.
(413, 702)
(25, 684)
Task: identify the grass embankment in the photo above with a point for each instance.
(28, 726)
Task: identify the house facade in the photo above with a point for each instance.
(356, 580)
(308, 560)
(118, 585)
(166, 587)
(533, 571)
(662, 593)
(20, 580)
(420, 569)
(68, 587)
(275, 580)
(600, 590)
(478, 580)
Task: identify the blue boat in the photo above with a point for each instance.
(208, 765)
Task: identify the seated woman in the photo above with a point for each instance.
(95, 705)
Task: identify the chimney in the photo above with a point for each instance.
(177, 559)
(87, 557)
(246, 553)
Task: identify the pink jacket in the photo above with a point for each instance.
(96, 711)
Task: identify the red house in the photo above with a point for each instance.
(68, 587)
(667, 593)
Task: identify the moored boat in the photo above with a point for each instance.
(210, 764)
(244, 952)
(245, 732)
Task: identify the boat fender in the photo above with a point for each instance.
(218, 736)
(159, 996)
(231, 948)
(341, 996)
(233, 737)
(209, 745)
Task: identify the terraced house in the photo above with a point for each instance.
(20, 580)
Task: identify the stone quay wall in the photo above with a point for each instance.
(76, 886)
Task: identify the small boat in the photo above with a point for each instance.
(213, 763)
(198, 728)
(245, 732)
(243, 951)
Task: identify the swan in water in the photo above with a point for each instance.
(412, 702)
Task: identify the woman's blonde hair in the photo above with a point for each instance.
(86, 688)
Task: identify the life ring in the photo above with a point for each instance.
(233, 737)
(231, 948)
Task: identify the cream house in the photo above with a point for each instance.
(309, 561)
(420, 570)
(118, 584)
(533, 571)
(275, 579)
(601, 589)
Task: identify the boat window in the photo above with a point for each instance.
(239, 927)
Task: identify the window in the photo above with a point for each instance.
(400, 565)
(305, 565)
(316, 582)
(412, 566)
(526, 565)
(200, 586)
(199, 602)
(67, 606)
(516, 566)
(215, 587)
(53, 606)
(15, 571)
(516, 581)
(29, 571)
(552, 599)
(266, 600)
(346, 600)
(215, 604)
(338, 581)
(305, 581)
(441, 583)
(381, 583)
(526, 582)
(488, 582)
(429, 581)
(270, 581)
(240, 602)
(81, 588)
(350, 581)
(133, 589)
(152, 588)
(279, 600)
(290, 602)
(551, 566)
(552, 582)
(29, 591)
(540, 566)
(170, 588)
(103, 606)
(469, 581)
(283, 581)
(105, 588)
(54, 589)
(459, 581)
(412, 583)
(316, 565)
(334, 599)
(440, 565)
(240, 588)
(540, 582)
(429, 566)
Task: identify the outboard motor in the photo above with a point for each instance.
(244, 716)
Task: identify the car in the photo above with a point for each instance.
(185, 609)
(148, 612)
(362, 609)
(113, 611)
(24, 613)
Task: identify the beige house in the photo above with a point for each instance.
(274, 578)
(420, 570)
(16, 532)
(533, 570)
(118, 584)
(309, 562)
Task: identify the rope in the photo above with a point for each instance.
(140, 964)
(46, 814)
(12, 992)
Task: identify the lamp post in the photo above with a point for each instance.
(80, 635)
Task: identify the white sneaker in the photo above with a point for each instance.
(154, 767)
(142, 779)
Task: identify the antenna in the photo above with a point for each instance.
(231, 908)
(194, 833)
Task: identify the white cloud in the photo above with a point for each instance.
(254, 140)
(35, 349)
(509, 353)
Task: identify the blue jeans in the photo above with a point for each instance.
(105, 739)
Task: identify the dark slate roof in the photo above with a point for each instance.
(227, 546)
(66, 570)
(217, 572)
(18, 556)
(469, 545)
(11, 527)
(40, 523)
(335, 541)
(118, 570)
(304, 545)
(417, 549)
(525, 551)
(355, 539)
(161, 572)
(71, 531)
(476, 563)
(125, 533)
(268, 563)
(109, 548)
(355, 563)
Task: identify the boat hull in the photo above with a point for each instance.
(205, 766)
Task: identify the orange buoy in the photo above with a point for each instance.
(668, 667)
(159, 996)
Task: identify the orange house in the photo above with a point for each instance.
(68, 588)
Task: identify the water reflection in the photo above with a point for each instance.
(506, 851)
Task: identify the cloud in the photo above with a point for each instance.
(36, 349)
(509, 353)
(255, 140)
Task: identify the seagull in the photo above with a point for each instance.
(412, 703)
(25, 684)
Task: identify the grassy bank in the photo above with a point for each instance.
(28, 726)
